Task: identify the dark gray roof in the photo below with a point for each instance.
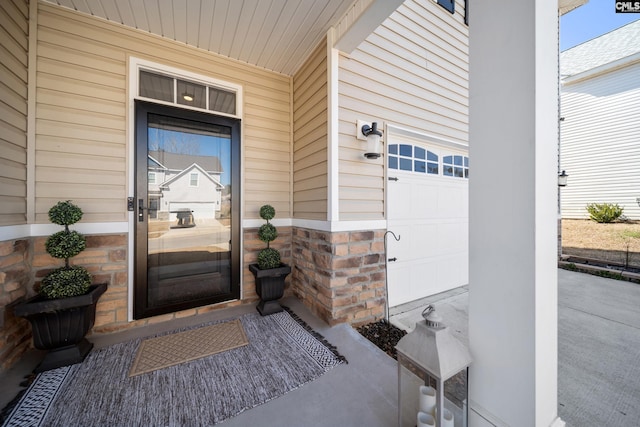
(182, 161)
(610, 47)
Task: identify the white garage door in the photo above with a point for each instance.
(428, 208)
(201, 210)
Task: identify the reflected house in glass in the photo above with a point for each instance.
(182, 184)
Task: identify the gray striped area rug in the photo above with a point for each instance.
(283, 353)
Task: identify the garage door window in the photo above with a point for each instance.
(456, 166)
(412, 158)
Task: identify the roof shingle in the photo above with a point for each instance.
(609, 47)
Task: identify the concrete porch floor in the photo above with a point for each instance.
(599, 360)
(598, 345)
(362, 392)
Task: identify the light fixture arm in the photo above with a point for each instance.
(371, 130)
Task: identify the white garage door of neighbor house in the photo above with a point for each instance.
(201, 210)
(428, 208)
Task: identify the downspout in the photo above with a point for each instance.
(560, 119)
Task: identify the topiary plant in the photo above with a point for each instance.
(67, 281)
(268, 257)
(604, 212)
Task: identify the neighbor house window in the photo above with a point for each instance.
(193, 179)
(456, 166)
(152, 178)
(449, 5)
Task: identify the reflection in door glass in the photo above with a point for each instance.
(189, 210)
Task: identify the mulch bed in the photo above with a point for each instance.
(386, 336)
(383, 334)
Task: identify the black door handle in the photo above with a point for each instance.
(141, 209)
(394, 259)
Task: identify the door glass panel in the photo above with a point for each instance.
(189, 211)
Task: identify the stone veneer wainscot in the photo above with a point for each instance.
(340, 276)
(15, 277)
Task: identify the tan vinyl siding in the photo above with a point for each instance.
(310, 138)
(405, 74)
(14, 40)
(82, 146)
(600, 142)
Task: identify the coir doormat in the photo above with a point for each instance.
(169, 350)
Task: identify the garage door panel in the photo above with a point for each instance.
(430, 213)
(451, 237)
(402, 284)
(415, 280)
(408, 196)
(426, 197)
(451, 201)
(416, 241)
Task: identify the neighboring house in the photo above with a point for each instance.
(600, 131)
(184, 182)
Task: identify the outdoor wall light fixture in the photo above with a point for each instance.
(187, 97)
(562, 179)
(372, 135)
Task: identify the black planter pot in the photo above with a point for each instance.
(60, 326)
(270, 287)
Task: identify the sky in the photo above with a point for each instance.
(587, 22)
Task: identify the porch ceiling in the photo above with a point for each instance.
(274, 34)
(566, 6)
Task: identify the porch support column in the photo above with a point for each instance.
(512, 218)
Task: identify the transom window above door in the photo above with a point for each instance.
(413, 158)
(168, 85)
(183, 92)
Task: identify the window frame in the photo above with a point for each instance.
(137, 65)
(191, 180)
(424, 154)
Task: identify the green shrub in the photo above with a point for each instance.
(67, 281)
(604, 212)
(268, 257)
(267, 233)
(65, 213)
(65, 244)
(267, 212)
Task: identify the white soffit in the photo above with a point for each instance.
(277, 35)
(565, 6)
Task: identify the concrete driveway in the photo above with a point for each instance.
(598, 345)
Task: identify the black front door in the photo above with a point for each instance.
(187, 238)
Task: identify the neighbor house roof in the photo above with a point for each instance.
(182, 161)
(610, 47)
